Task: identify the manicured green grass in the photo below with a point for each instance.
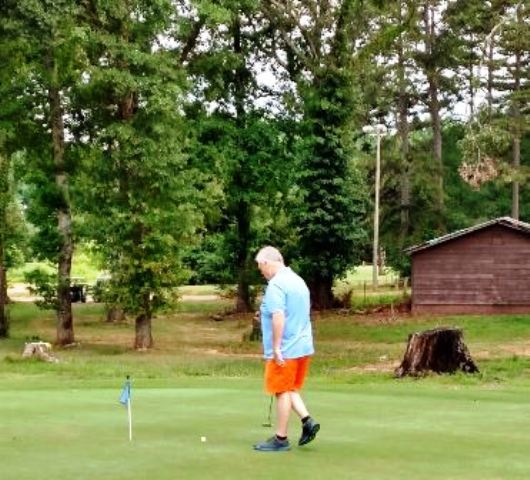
(63, 421)
(397, 430)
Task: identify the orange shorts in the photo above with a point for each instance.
(288, 377)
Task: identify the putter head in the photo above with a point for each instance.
(266, 424)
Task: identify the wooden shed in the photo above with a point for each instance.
(481, 269)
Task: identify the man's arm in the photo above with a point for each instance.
(278, 322)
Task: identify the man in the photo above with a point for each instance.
(287, 346)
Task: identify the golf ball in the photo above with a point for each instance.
(203, 439)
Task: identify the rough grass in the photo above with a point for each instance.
(190, 342)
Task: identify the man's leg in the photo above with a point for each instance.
(298, 405)
(283, 410)
(309, 426)
(277, 379)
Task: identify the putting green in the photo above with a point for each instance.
(400, 430)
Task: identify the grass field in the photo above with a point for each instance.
(63, 421)
(369, 431)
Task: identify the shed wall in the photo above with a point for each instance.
(486, 271)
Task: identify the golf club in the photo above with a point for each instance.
(268, 423)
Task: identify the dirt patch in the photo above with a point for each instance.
(386, 366)
(219, 353)
(200, 298)
(500, 350)
(19, 292)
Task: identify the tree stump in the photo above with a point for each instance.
(255, 333)
(40, 350)
(115, 314)
(440, 350)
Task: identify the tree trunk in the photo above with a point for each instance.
(471, 81)
(440, 350)
(242, 211)
(243, 301)
(4, 318)
(321, 293)
(144, 338)
(115, 314)
(65, 326)
(516, 163)
(4, 191)
(437, 143)
(434, 106)
(516, 141)
(255, 334)
(403, 134)
(489, 84)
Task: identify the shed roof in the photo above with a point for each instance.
(504, 221)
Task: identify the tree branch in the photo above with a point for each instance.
(191, 41)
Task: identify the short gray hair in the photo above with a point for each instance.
(269, 254)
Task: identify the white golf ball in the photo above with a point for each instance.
(203, 439)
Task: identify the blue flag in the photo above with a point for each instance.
(126, 393)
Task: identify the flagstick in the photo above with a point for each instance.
(129, 412)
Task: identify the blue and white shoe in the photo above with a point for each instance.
(273, 444)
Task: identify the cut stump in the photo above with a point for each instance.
(39, 350)
(440, 350)
(255, 333)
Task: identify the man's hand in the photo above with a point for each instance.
(278, 357)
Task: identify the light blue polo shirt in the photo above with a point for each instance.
(287, 292)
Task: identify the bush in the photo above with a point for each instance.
(43, 285)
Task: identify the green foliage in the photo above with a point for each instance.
(44, 285)
(101, 291)
(211, 261)
(332, 203)
(50, 56)
(180, 168)
(13, 228)
(249, 160)
(138, 192)
(484, 141)
(467, 205)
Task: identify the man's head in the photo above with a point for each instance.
(269, 260)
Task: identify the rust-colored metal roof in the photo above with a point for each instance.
(505, 221)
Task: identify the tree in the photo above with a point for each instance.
(515, 47)
(140, 196)
(240, 136)
(435, 58)
(8, 110)
(404, 104)
(5, 171)
(51, 40)
(504, 118)
(392, 97)
(318, 55)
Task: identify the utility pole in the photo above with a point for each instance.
(378, 131)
